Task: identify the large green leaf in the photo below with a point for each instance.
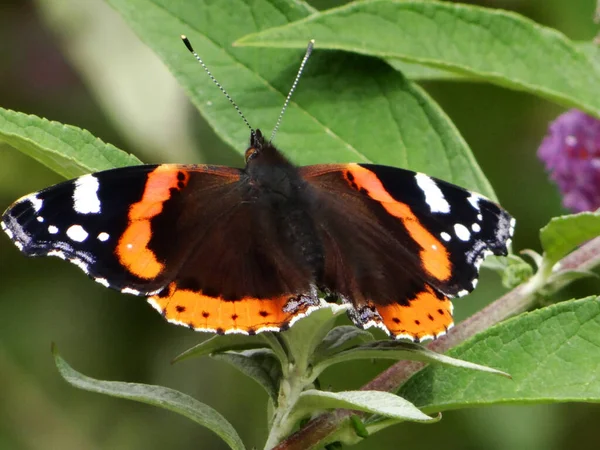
(157, 396)
(563, 234)
(347, 107)
(491, 44)
(422, 72)
(68, 150)
(553, 355)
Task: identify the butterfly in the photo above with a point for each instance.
(231, 250)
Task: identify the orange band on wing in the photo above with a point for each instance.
(434, 257)
(205, 313)
(132, 249)
(425, 316)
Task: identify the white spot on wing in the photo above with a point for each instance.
(40, 219)
(35, 202)
(479, 217)
(379, 324)
(57, 253)
(155, 305)
(130, 291)
(85, 195)
(8, 231)
(474, 200)
(77, 233)
(445, 236)
(296, 317)
(102, 281)
(462, 293)
(103, 237)
(433, 194)
(476, 228)
(462, 232)
(79, 263)
(52, 229)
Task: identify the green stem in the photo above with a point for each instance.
(523, 297)
(290, 389)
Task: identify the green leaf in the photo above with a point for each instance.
(399, 350)
(535, 257)
(339, 339)
(591, 50)
(498, 46)
(307, 334)
(260, 365)
(154, 395)
(218, 344)
(564, 234)
(552, 354)
(420, 72)
(275, 341)
(374, 402)
(327, 120)
(376, 423)
(567, 276)
(68, 150)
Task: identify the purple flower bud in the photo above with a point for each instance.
(571, 152)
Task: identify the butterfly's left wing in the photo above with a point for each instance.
(191, 238)
(126, 228)
(399, 244)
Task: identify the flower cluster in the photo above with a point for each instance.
(571, 153)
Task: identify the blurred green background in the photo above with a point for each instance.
(74, 61)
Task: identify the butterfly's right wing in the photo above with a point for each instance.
(398, 244)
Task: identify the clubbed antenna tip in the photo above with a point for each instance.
(186, 41)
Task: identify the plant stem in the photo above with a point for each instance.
(290, 389)
(514, 302)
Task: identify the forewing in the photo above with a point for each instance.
(127, 228)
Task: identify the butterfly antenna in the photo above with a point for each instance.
(214, 80)
(309, 50)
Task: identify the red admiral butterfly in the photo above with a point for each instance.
(247, 250)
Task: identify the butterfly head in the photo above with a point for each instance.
(262, 153)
